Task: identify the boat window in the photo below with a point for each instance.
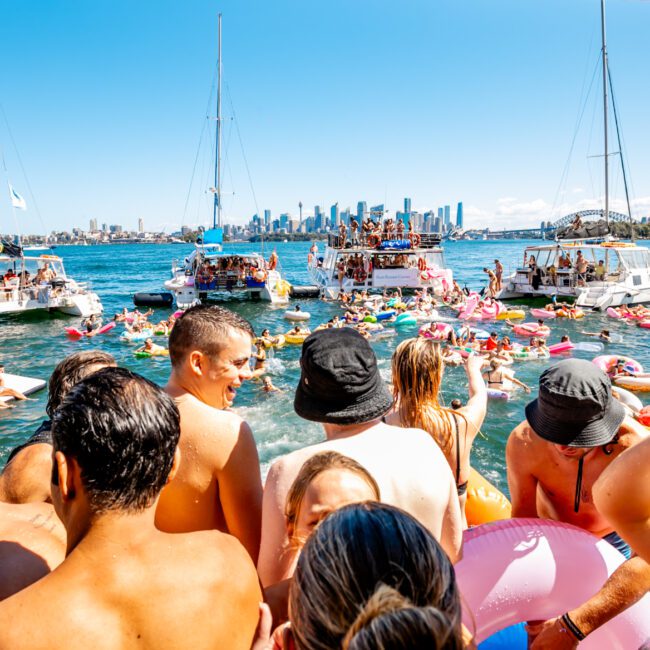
(542, 258)
(634, 259)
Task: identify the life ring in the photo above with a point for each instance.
(260, 276)
(536, 569)
(607, 361)
(374, 240)
(424, 276)
(485, 503)
(296, 339)
(296, 315)
(415, 239)
(360, 275)
(422, 266)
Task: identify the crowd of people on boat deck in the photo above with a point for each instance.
(370, 232)
(24, 279)
(232, 269)
(583, 269)
(136, 516)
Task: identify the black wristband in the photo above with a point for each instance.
(572, 627)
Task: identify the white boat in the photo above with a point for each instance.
(416, 262)
(208, 272)
(626, 277)
(21, 289)
(623, 278)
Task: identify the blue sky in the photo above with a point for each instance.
(441, 101)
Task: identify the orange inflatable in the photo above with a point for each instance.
(484, 502)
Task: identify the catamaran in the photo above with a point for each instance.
(585, 262)
(208, 272)
(379, 262)
(36, 282)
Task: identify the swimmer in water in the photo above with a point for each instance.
(500, 378)
(268, 387)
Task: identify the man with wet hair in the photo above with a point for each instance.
(124, 583)
(218, 484)
(26, 476)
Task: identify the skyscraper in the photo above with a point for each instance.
(459, 214)
(362, 208)
(447, 217)
(141, 225)
(93, 225)
(407, 205)
(441, 215)
(335, 217)
(267, 219)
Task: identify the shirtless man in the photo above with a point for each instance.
(622, 494)
(218, 484)
(498, 272)
(573, 432)
(32, 543)
(26, 476)
(125, 584)
(341, 387)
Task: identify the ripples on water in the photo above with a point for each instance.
(33, 344)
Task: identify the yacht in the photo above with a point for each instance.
(208, 272)
(379, 263)
(622, 279)
(22, 289)
(600, 272)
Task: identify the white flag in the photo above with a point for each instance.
(17, 201)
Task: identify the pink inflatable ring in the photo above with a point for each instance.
(607, 361)
(535, 569)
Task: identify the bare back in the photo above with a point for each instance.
(409, 468)
(543, 482)
(218, 484)
(160, 591)
(32, 543)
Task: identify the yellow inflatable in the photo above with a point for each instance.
(484, 502)
(511, 313)
(274, 342)
(296, 339)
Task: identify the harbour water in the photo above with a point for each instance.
(33, 344)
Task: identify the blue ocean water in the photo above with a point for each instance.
(33, 344)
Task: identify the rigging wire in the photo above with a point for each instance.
(22, 167)
(620, 145)
(565, 172)
(241, 144)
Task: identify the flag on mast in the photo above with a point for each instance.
(17, 201)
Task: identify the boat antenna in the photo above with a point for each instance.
(216, 210)
(602, 24)
(620, 153)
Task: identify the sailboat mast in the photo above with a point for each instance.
(216, 212)
(602, 21)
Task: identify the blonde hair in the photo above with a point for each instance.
(417, 368)
(313, 467)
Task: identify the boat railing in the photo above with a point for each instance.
(376, 240)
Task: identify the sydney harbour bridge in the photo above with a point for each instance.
(548, 229)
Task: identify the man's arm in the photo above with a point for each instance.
(240, 491)
(26, 479)
(521, 482)
(622, 494)
(628, 584)
(451, 536)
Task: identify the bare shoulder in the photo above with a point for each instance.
(631, 433)
(524, 445)
(200, 422)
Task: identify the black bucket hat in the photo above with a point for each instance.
(575, 406)
(339, 381)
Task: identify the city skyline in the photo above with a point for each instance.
(333, 101)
